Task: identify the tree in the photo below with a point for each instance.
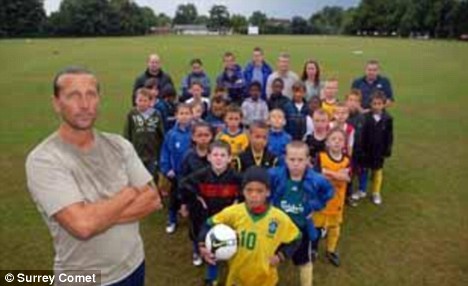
(299, 26)
(258, 19)
(329, 20)
(239, 24)
(202, 20)
(185, 14)
(22, 18)
(219, 17)
(163, 20)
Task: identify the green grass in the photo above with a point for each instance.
(418, 237)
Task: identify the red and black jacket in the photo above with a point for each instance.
(218, 191)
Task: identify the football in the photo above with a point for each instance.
(221, 240)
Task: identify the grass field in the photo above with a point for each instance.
(418, 237)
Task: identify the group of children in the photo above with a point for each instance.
(278, 171)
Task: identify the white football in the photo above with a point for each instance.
(221, 240)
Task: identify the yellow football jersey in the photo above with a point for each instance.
(332, 214)
(258, 239)
(238, 142)
(329, 107)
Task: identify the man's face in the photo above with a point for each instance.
(372, 71)
(143, 103)
(255, 194)
(229, 62)
(219, 158)
(258, 138)
(283, 64)
(184, 116)
(233, 120)
(77, 101)
(296, 160)
(257, 58)
(154, 64)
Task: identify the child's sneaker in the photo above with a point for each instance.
(355, 196)
(211, 283)
(377, 199)
(333, 258)
(196, 260)
(171, 228)
(362, 194)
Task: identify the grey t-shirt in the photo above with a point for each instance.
(59, 174)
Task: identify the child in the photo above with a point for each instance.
(267, 236)
(335, 166)
(254, 108)
(232, 79)
(217, 112)
(299, 191)
(377, 141)
(356, 119)
(196, 159)
(144, 128)
(197, 111)
(314, 104)
(316, 140)
(257, 154)
(297, 120)
(233, 134)
(330, 92)
(196, 89)
(167, 107)
(278, 100)
(209, 190)
(278, 138)
(341, 115)
(176, 143)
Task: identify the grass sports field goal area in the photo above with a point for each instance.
(419, 236)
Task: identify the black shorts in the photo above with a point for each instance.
(303, 254)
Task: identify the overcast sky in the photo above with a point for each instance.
(273, 8)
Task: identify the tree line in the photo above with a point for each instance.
(434, 18)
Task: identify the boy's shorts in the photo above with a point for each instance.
(303, 254)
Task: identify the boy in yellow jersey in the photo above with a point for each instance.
(335, 166)
(234, 134)
(267, 236)
(329, 100)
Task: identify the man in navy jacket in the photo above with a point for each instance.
(257, 70)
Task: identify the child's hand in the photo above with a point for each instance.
(274, 260)
(170, 174)
(184, 211)
(207, 256)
